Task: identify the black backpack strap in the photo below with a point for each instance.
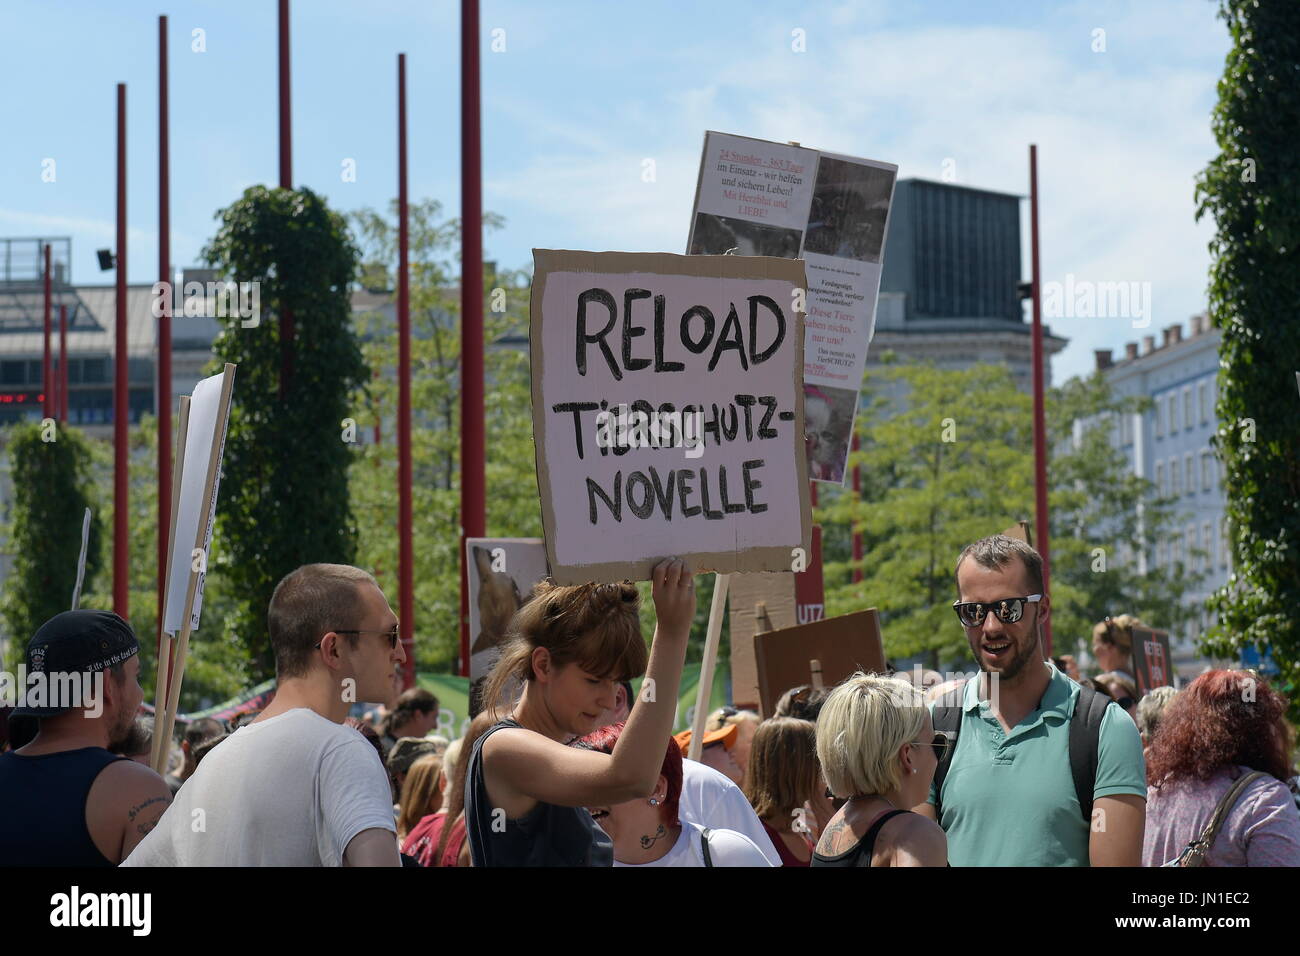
(1085, 737)
(704, 846)
(947, 720)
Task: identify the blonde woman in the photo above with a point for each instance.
(1112, 645)
(878, 751)
(421, 795)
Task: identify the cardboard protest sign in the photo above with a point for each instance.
(667, 412)
(842, 645)
(502, 574)
(205, 440)
(787, 600)
(1152, 660)
(765, 198)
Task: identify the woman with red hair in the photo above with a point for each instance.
(1225, 724)
(648, 832)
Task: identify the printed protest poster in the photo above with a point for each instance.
(502, 573)
(756, 197)
(668, 411)
(1152, 661)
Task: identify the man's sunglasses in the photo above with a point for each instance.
(393, 637)
(940, 745)
(1008, 610)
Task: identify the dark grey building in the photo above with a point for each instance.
(949, 283)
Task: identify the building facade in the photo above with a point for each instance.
(1170, 446)
(950, 287)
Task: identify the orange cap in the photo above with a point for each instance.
(727, 735)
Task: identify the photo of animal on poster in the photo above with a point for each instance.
(502, 573)
(720, 235)
(828, 430)
(850, 207)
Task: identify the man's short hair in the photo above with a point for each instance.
(308, 603)
(205, 728)
(996, 551)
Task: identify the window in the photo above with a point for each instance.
(1203, 393)
(1125, 429)
(1189, 416)
(1176, 549)
(1190, 471)
(1192, 547)
(1175, 478)
(13, 373)
(1225, 543)
(1207, 534)
(1160, 479)
(1160, 553)
(1173, 413)
(1160, 421)
(1207, 470)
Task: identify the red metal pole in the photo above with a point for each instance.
(286, 182)
(857, 533)
(405, 556)
(47, 391)
(121, 405)
(63, 364)
(473, 497)
(164, 330)
(1040, 427)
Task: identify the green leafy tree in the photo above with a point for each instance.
(1252, 189)
(512, 502)
(51, 471)
(284, 497)
(953, 462)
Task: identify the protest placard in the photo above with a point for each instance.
(1152, 661)
(502, 574)
(197, 479)
(764, 198)
(841, 645)
(787, 600)
(667, 412)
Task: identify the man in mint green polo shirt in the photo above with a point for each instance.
(1009, 798)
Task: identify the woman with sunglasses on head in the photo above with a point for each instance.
(878, 751)
(1112, 646)
(570, 647)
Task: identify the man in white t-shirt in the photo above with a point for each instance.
(295, 787)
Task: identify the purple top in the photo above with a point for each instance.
(1261, 829)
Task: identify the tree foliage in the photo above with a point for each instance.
(1252, 189)
(284, 498)
(953, 462)
(53, 484)
(512, 503)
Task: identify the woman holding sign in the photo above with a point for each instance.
(571, 646)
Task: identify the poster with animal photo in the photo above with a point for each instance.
(502, 573)
(760, 198)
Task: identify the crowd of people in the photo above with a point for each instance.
(1027, 763)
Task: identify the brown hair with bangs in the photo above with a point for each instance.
(783, 769)
(596, 626)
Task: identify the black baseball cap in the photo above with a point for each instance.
(76, 642)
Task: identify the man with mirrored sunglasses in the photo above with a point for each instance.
(1009, 793)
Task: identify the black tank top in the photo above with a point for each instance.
(860, 853)
(43, 808)
(546, 836)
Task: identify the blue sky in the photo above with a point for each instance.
(584, 93)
